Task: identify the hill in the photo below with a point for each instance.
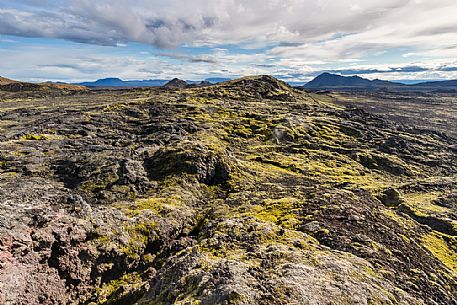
(176, 83)
(244, 192)
(9, 85)
(6, 81)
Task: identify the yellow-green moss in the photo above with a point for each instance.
(34, 137)
(436, 244)
(100, 184)
(138, 237)
(50, 135)
(405, 222)
(117, 289)
(114, 107)
(157, 205)
(422, 203)
(279, 211)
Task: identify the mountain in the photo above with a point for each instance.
(244, 192)
(105, 82)
(216, 80)
(328, 81)
(116, 82)
(176, 83)
(446, 83)
(203, 83)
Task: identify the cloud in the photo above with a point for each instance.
(191, 58)
(292, 38)
(354, 26)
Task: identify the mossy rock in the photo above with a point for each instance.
(390, 197)
(208, 167)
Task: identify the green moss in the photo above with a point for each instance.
(116, 290)
(282, 212)
(439, 247)
(157, 205)
(100, 183)
(370, 271)
(103, 240)
(50, 135)
(328, 167)
(34, 137)
(423, 204)
(139, 235)
(405, 222)
(114, 107)
(249, 128)
(405, 239)
(328, 132)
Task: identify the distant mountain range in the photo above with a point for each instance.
(117, 82)
(325, 81)
(328, 81)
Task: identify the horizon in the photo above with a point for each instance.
(222, 79)
(78, 41)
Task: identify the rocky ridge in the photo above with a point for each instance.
(245, 192)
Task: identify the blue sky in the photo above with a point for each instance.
(295, 40)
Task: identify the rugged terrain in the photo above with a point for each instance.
(246, 192)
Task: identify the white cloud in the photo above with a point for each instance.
(298, 35)
(174, 22)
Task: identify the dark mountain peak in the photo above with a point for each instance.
(110, 79)
(327, 75)
(331, 81)
(328, 81)
(105, 82)
(176, 83)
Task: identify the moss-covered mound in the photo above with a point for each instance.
(246, 192)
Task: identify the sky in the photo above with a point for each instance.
(294, 40)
